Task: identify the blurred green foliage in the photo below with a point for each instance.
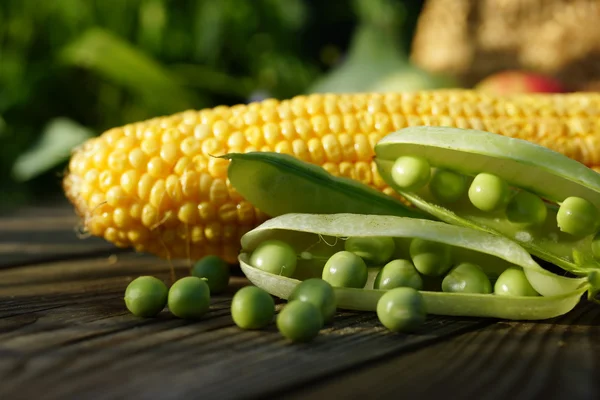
(70, 69)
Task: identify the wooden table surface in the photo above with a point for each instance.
(65, 334)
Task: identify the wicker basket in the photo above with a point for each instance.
(470, 39)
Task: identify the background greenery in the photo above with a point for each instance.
(70, 69)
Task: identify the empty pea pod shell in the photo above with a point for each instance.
(278, 184)
(525, 166)
(324, 235)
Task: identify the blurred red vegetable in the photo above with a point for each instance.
(509, 82)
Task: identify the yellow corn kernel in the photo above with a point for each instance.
(190, 146)
(116, 196)
(333, 150)
(157, 167)
(80, 165)
(189, 185)
(156, 186)
(246, 214)
(113, 135)
(169, 152)
(136, 211)
(212, 147)
(187, 213)
(173, 189)
(111, 234)
(151, 145)
(96, 201)
(118, 161)
(138, 235)
(217, 167)
(182, 166)
(107, 179)
(170, 220)
(158, 195)
(98, 158)
(122, 218)
(207, 211)
(149, 216)
(145, 186)
(283, 147)
(129, 181)
(221, 130)
(137, 158)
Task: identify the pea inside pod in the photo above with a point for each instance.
(542, 199)
(301, 231)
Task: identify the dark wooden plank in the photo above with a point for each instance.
(211, 357)
(66, 334)
(52, 274)
(45, 233)
(554, 359)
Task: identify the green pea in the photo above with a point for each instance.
(577, 216)
(410, 172)
(216, 272)
(398, 273)
(299, 321)
(345, 269)
(513, 282)
(252, 308)
(374, 250)
(430, 258)
(467, 278)
(189, 298)
(488, 192)
(318, 292)
(401, 309)
(146, 296)
(447, 186)
(526, 208)
(274, 256)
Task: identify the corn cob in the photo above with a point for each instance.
(154, 186)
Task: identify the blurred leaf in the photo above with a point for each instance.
(118, 61)
(153, 20)
(117, 16)
(385, 14)
(292, 13)
(283, 75)
(13, 85)
(208, 29)
(2, 126)
(412, 79)
(67, 17)
(372, 55)
(55, 145)
(212, 80)
(20, 29)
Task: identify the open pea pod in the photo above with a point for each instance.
(542, 199)
(324, 235)
(278, 184)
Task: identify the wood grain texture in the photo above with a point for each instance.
(554, 359)
(40, 233)
(65, 334)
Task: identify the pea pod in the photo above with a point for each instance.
(323, 235)
(542, 199)
(279, 183)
